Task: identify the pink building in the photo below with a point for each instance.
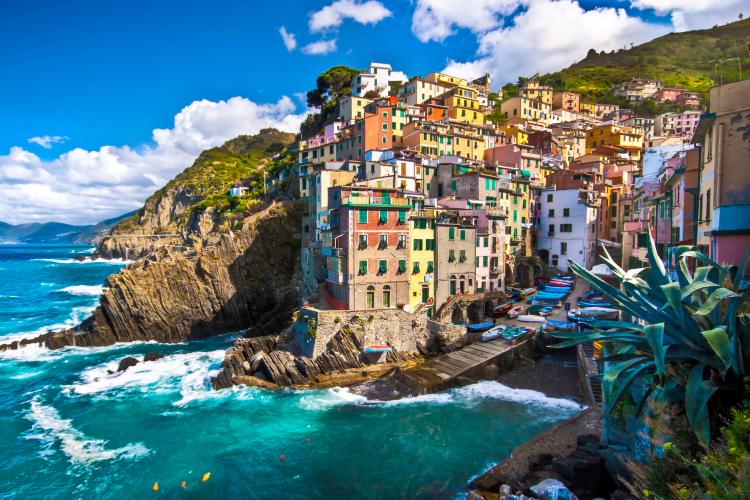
(668, 94)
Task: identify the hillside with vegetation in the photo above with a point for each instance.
(689, 60)
(249, 160)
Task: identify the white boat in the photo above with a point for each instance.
(513, 313)
(546, 311)
(532, 318)
(597, 310)
(494, 333)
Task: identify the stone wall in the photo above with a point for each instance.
(405, 332)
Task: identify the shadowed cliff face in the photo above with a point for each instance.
(225, 282)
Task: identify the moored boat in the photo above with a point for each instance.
(513, 313)
(531, 318)
(379, 348)
(494, 333)
(515, 332)
(480, 327)
(546, 311)
(502, 310)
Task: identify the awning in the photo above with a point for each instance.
(477, 202)
(608, 243)
(702, 128)
(525, 173)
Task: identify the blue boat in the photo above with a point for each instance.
(561, 324)
(592, 293)
(481, 327)
(589, 303)
(514, 332)
(550, 295)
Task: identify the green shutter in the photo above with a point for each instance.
(384, 216)
(451, 233)
(487, 183)
(416, 268)
(423, 224)
(402, 266)
(416, 244)
(515, 215)
(463, 235)
(494, 184)
(416, 223)
(362, 267)
(485, 259)
(486, 242)
(383, 266)
(402, 217)
(363, 216)
(451, 255)
(430, 266)
(453, 185)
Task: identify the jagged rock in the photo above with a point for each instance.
(259, 375)
(127, 363)
(505, 492)
(152, 356)
(551, 489)
(251, 381)
(177, 296)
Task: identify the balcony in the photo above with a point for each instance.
(494, 270)
(337, 278)
(331, 252)
(367, 200)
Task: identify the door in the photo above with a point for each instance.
(440, 190)
(371, 300)
(453, 288)
(425, 293)
(386, 299)
(463, 287)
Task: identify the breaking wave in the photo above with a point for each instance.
(95, 290)
(50, 428)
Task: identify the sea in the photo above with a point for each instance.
(69, 429)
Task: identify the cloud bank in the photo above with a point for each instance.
(332, 16)
(84, 187)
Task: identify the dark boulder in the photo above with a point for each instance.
(153, 356)
(127, 363)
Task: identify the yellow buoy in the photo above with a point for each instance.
(156, 486)
(206, 476)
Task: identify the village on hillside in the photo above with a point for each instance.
(417, 197)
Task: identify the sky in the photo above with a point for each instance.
(102, 103)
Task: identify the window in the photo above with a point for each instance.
(362, 241)
(363, 216)
(451, 233)
(417, 244)
(429, 245)
(428, 184)
(401, 241)
(383, 241)
(515, 215)
(552, 212)
(613, 224)
(613, 212)
(359, 126)
(462, 256)
(385, 114)
(462, 234)
(416, 268)
(430, 266)
(385, 126)
(451, 256)
(551, 229)
(384, 216)
(485, 261)
(383, 267)
(709, 204)
(402, 217)
(564, 248)
(454, 185)
(385, 140)
(422, 223)
(386, 298)
(550, 198)
(362, 267)
(486, 242)
(402, 266)
(566, 228)
(566, 212)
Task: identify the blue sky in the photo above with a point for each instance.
(103, 76)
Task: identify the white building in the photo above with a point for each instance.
(418, 90)
(568, 227)
(647, 124)
(637, 89)
(377, 77)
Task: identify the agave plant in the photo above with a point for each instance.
(693, 322)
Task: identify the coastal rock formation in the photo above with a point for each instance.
(226, 282)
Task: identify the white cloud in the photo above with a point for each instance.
(435, 19)
(46, 141)
(290, 41)
(83, 186)
(319, 48)
(332, 16)
(695, 14)
(550, 35)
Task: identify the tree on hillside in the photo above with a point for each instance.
(331, 85)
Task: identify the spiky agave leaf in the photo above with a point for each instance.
(697, 394)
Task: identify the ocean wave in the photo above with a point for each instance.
(337, 396)
(118, 262)
(49, 427)
(84, 289)
(185, 373)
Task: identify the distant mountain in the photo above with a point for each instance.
(687, 60)
(54, 232)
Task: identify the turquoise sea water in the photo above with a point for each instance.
(68, 429)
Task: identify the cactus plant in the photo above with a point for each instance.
(690, 323)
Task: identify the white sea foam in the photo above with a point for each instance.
(496, 390)
(49, 428)
(187, 374)
(118, 262)
(84, 290)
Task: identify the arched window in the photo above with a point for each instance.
(307, 228)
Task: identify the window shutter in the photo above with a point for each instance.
(416, 268)
(451, 233)
(384, 266)
(402, 266)
(363, 216)
(430, 266)
(362, 267)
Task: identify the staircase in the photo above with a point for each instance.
(323, 298)
(587, 363)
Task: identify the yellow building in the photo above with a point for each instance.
(532, 89)
(422, 257)
(463, 105)
(529, 109)
(438, 139)
(514, 134)
(447, 80)
(630, 138)
(352, 107)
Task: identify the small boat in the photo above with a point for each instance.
(379, 348)
(592, 294)
(546, 302)
(516, 292)
(588, 303)
(598, 310)
(561, 324)
(575, 317)
(529, 291)
(493, 333)
(502, 310)
(513, 313)
(566, 278)
(514, 332)
(531, 318)
(546, 311)
(480, 327)
(551, 296)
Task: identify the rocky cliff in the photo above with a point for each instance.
(207, 263)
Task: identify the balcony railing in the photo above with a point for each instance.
(367, 200)
(494, 270)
